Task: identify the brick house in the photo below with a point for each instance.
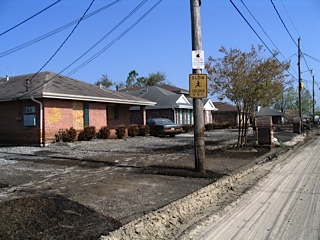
(171, 102)
(276, 116)
(36, 107)
(226, 113)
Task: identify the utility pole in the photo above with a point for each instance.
(199, 144)
(312, 95)
(299, 73)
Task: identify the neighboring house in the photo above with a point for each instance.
(35, 107)
(171, 103)
(277, 117)
(226, 113)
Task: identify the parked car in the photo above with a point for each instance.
(163, 126)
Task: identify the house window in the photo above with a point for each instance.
(113, 112)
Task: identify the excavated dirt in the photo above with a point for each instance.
(84, 190)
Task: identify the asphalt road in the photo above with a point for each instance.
(284, 205)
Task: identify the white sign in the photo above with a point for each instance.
(197, 59)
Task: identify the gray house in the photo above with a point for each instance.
(169, 104)
(277, 117)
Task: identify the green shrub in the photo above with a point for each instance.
(104, 133)
(187, 127)
(120, 131)
(87, 134)
(133, 130)
(144, 130)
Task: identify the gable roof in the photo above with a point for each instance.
(208, 105)
(265, 111)
(225, 107)
(167, 87)
(52, 85)
(163, 97)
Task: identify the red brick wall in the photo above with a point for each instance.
(12, 130)
(97, 115)
(124, 118)
(57, 114)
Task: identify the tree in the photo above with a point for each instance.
(131, 79)
(248, 80)
(290, 101)
(104, 81)
(156, 79)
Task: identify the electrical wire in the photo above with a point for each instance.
(101, 51)
(64, 40)
(257, 35)
(290, 18)
(49, 34)
(29, 18)
(274, 6)
(265, 32)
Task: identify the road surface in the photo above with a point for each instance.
(284, 205)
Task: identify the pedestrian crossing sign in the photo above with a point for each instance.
(198, 86)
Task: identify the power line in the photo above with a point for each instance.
(264, 32)
(63, 41)
(274, 6)
(108, 33)
(29, 18)
(115, 40)
(101, 51)
(31, 42)
(315, 59)
(290, 18)
(257, 35)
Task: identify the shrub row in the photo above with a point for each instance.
(89, 133)
(212, 126)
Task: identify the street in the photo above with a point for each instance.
(284, 205)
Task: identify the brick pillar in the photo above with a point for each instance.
(265, 132)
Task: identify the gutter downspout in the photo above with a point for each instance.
(41, 120)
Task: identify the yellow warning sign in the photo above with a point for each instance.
(198, 86)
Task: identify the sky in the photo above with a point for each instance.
(152, 36)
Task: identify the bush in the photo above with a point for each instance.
(70, 135)
(103, 133)
(133, 130)
(187, 127)
(120, 131)
(87, 134)
(208, 126)
(144, 130)
(226, 125)
(67, 135)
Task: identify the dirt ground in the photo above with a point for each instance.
(85, 190)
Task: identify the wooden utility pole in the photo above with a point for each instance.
(299, 74)
(312, 72)
(199, 144)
